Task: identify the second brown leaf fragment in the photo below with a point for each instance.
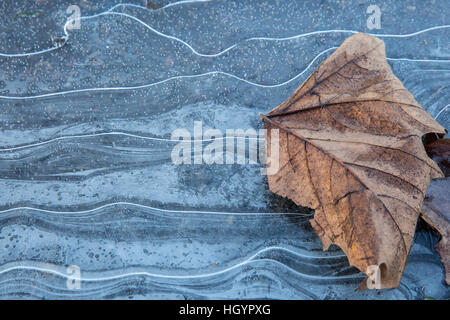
(436, 206)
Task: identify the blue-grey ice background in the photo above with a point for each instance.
(83, 181)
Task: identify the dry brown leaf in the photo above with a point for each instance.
(350, 147)
(436, 212)
(436, 206)
(439, 151)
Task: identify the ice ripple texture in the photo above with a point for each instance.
(86, 177)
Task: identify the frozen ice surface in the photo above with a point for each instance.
(86, 177)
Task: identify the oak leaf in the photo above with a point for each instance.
(350, 147)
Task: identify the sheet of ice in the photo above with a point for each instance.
(86, 176)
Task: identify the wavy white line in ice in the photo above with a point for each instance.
(151, 208)
(352, 31)
(211, 73)
(173, 4)
(114, 133)
(66, 33)
(180, 2)
(417, 60)
(110, 12)
(205, 275)
(443, 109)
(430, 70)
